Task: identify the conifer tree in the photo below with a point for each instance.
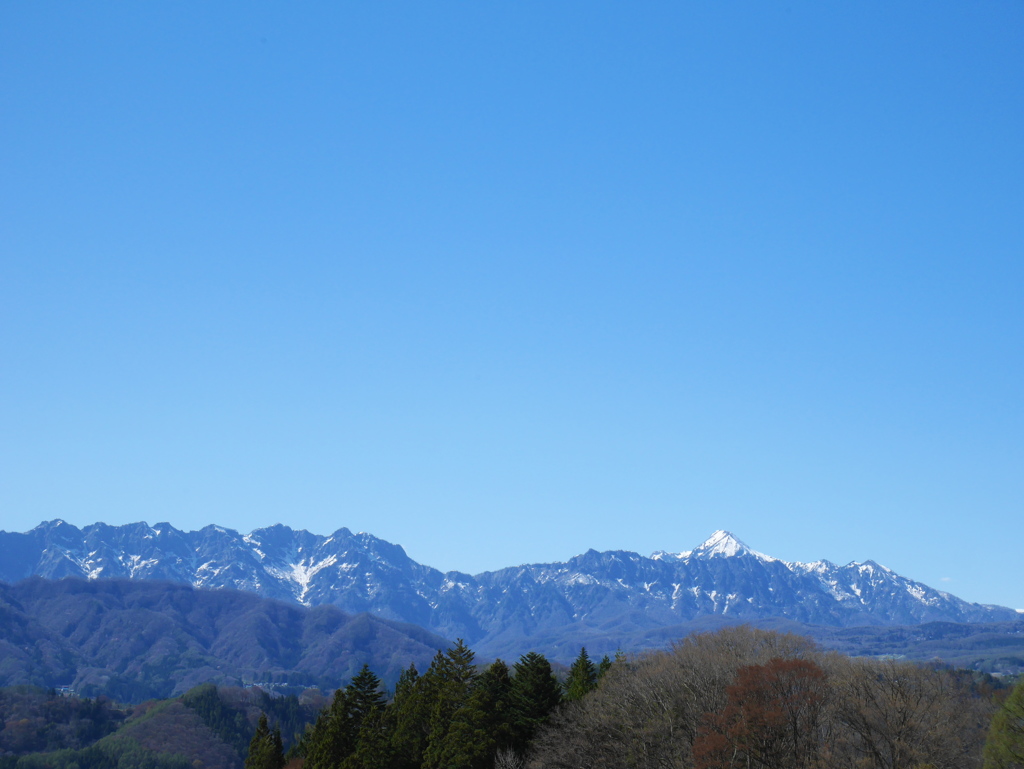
(372, 748)
(364, 694)
(265, 748)
(582, 677)
(335, 735)
(481, 726)
(277, 748)
(332, 738)
(603, 666)
(535, 693)
(408, 719)
(452, 675)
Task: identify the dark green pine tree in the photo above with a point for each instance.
(408, 715)
(332, 738)
(535, 693)
(481, 726)
(603, 666)
(335, 735)
(582, 677)
(277, 748)
(373, 747)
(265, 749)
(364, 694)
(452, 675)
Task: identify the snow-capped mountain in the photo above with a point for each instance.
(612, 594)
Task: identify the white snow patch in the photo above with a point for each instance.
(660, 555)
(137, 563)
(208, 571)
(723, 543)
(818, 567)
(302, 573)
(580, 579)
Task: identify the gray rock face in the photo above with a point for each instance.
(602, 599)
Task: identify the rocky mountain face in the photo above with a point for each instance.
(601, 599)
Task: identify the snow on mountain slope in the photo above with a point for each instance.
(722, 577)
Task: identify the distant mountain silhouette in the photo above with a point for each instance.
(601, 599)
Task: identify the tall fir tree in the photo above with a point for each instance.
(265, 748)
(373, 747)
(408, 719)
(480, 727)
(331, 739)
(365, 693)
(535, 693)
(452, 676)
(582, 677)
(335, 735)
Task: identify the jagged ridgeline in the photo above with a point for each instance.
(601, 599)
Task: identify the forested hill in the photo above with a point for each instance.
(594, 598)
(138, 640)
(736, 698)
(207, 728)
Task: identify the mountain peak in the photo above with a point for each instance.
(722, 543)
(726, 544)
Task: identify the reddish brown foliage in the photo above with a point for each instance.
(771, 719)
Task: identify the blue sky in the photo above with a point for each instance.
(504, 282)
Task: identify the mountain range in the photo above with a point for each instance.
(606, 600)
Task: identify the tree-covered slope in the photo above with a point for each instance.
(138, 640)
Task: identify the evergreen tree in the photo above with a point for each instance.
(603, 667)
(452, 675)
(582, 677)
(481, 726)
(535, 693)
(1004, 748)
(277, 748)
(372, 748)
(332, 738)
(336, 733)
(364, 694)
(409, 715)
(265, 749)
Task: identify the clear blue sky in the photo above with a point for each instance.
(501, 282)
